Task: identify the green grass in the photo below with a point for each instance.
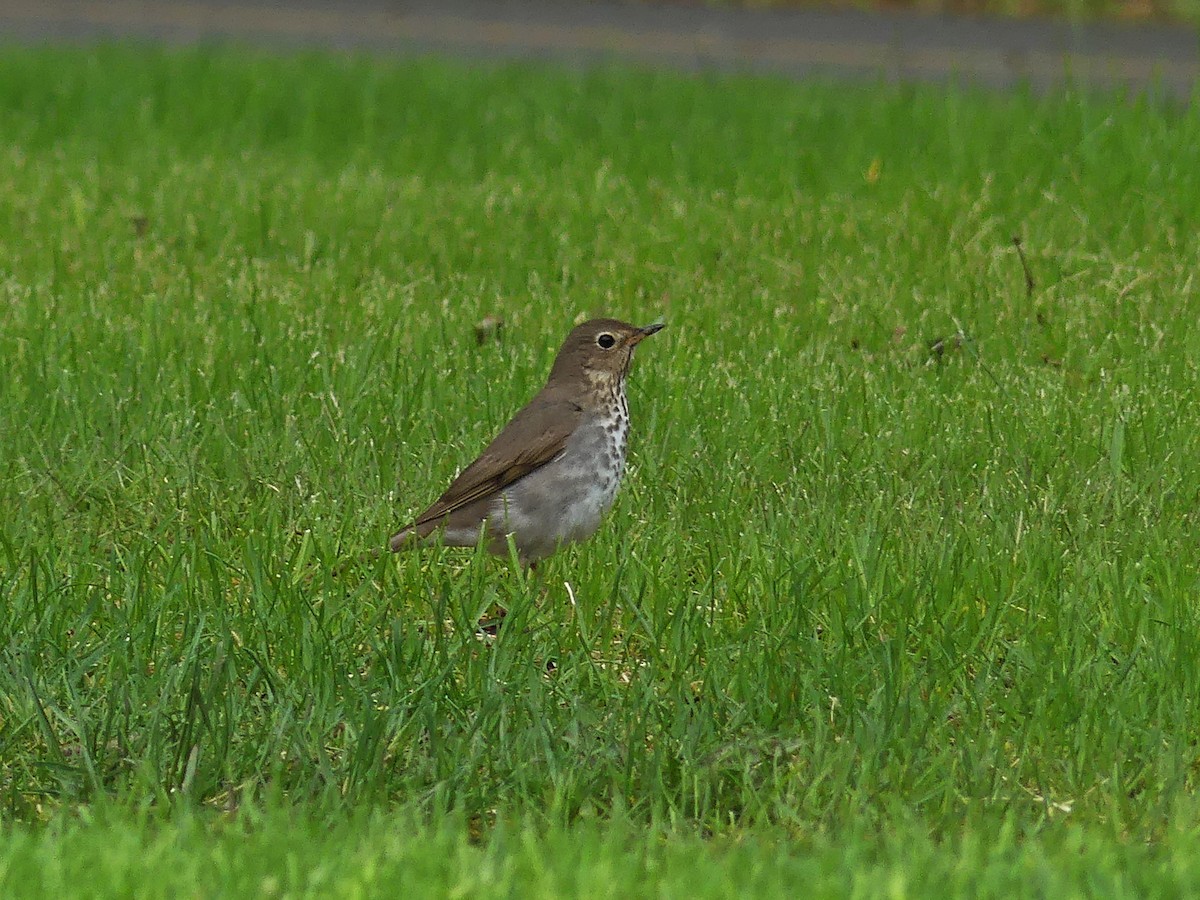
(866, 617)
(376, 854)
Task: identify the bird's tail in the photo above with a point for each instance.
(361, 559)
(404, 539)
(413, 535)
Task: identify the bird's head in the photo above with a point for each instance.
(599, 352)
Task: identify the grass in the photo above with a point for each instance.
(380, 854)
(899, 595)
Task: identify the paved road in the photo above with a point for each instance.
(898, 46)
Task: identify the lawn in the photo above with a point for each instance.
(900, 597)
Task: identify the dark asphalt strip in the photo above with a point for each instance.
(894, 46)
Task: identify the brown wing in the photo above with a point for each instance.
(535, 436)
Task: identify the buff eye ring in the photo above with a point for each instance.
(606, 341)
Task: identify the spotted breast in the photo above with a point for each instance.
(564, 501)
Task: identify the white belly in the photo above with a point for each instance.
(565, 500)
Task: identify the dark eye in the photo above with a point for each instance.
(606, 341)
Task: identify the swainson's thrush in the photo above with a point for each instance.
(552, 473)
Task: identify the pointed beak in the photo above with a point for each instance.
(642, 333)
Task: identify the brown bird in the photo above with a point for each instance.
(553, 472)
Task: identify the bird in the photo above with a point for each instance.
(551, 474)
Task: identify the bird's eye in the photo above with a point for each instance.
(606, 341)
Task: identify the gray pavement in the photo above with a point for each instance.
(894, 46)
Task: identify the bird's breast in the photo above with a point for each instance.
(566, 499)
(597, 450)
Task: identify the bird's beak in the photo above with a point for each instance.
(642, 333)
